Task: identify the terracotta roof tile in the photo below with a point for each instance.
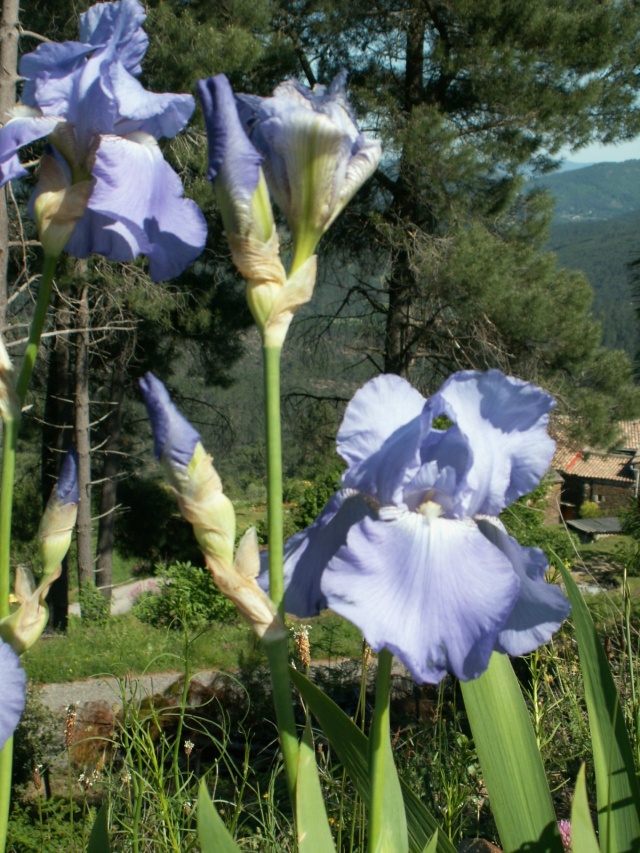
(630, 435)
(601, 466)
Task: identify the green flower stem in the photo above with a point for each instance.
(379, 744)
(277, 650)
(274, 475)
(37, 325)
(6, 503)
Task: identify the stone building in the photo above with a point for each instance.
(608, 478)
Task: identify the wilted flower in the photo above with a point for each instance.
(316, 158)
(236, 174)
(13, 680)
(199, 492)
(411, 550)
(104, 185)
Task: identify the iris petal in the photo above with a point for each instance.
(540, 608)
(504, 421)
(435, 593)
(308, 552)
(122, 221)
(232, 157)
(380, 436)
(119, 22)
(14, 682)
(17, 132)
(173, 436)
(157, 114)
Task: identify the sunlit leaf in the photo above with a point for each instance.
(351, 746)
(617, 790)
(510, 760)
(314, 835)
(213, 835)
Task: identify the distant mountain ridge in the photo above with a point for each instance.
(594, 193)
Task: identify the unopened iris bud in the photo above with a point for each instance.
(235, 170)
(191, 473)
(27, 621)
(203, 503)
(59, 518)
(315, 157)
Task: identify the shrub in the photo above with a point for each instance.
(589, 509)
(186, 598)
(94, 607)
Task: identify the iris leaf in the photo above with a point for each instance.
(314, 835)
(213, 835)
(351, 746)
(618, 793)
(510, 760)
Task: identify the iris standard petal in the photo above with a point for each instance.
(27, 126)
(121, 23)
(49, 73)
(306, 163)
(380, 435)
(137, 207)
(540, 608)
(173, 436)
(434, 592)
(13, 682)
(504, 421)
(232, 157)
(307, 553)
(159, 115)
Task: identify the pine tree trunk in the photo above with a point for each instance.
(83, 441)
(399, 353)
(110, 472)
(56, 435)
(8, 76)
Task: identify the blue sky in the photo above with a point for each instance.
(605, 153)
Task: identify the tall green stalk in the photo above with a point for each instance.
(9, 446)
(277, 650)
(379, 745)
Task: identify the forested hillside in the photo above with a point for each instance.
(596, 229)
(598, 192)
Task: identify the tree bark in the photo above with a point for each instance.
(83, 441)
(110, 472)
(8, 76)
(56, 434)
(398, 351)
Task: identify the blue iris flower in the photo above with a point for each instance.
(13, 681)
(411, 549)
(103, 127)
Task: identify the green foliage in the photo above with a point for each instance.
(524, 520)
(94, 607)
(153, 529)
(630, 519)
(124, 645)
(590, 509)
(317, 493)
(34, 739)
(186, 598)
